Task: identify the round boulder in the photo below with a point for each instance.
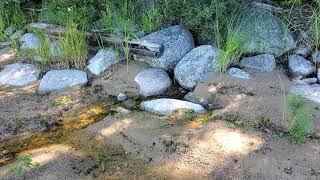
(152, 81)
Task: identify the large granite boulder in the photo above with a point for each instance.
(56, 80)
(168, 106)
(196, 66)
(177, 42)
(19, 74)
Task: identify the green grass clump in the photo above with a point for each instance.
(299, 121)
(61, 101)
(25, 163)
(151, 20)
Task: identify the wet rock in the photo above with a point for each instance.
(311, 92)
(299, 66)
(168, 106)
(122, 97)
(316, 56)
(191, 97)
(238, 73)
(30, 41)
(303, 50)
(19, 74)
(152, 81)
(196, 66)
(264, 62)
(177, 42)
(104, 59)
(56, 80)
(263, 33)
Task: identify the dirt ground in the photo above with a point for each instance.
(86, 140)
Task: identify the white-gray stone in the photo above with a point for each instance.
(302, 50)
(168, 106)
(196, 66)
(19, 74)
(30, 41)
(122, 97)
(153, 81)
(56, 80)
(263, 62)
(311, 92)
(102, 61)
(316, 56)
(177, 42)
(263, 33)
(191, 97)
(305, 81)
(299, 66)
(238, 73)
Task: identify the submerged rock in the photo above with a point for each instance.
(19, 74)
(311, 92)
(102, 61)
(299, 66)
(177, 42)
(153, 81)
(56, 80)
(261, 32)
(196, 66)
(264, 62)
(168, 106)
(30, 41)
(238, 73)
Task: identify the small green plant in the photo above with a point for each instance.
(299, 121)
(151, 20)
(44, 120)
(235, 120)
(23, 165)
(61, 101)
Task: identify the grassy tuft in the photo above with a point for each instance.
(151, 20)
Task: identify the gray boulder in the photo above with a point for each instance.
(177, 42)
(56, 80)
(302, 50)
(261, 32)
(316, 56)
(102, 61)
(191, 97)
(311, 92)
(299, 66)
(168, 106)
(30, 41)
(196, 66)
(19, 74)
(264, 62)
(238, 73)
(152, 81)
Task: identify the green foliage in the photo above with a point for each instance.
(61, 101)
(298, 118)
(24, 164)
(151, 20)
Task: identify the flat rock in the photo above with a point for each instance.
(177, 42)
(263, 33)
(299, 66)
(238, 73)
(311, 92)
(102, 61)
(168, 106)
(263, 62)
(19, 74)
(196, 66)
(153, 81)
(30, 41)
(56, 80)
(316, 56)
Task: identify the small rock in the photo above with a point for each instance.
(306, 81)
(316, 56)
(303, 50)
(30, 41)
(5, 44)
(238, 73)
(168, 106)
(56, 80)
(102, 61)
(196, 66)
(8, 31)
(152, 81)
(264, 62)
(311, 92)
(17, 35)
(177, 42)
(191, 97)
(130, 103)
(122, 97)
(121, 110)
(19, 74)
(300, 66)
